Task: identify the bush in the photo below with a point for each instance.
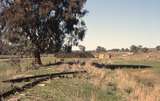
(158, 48)
(100, 49)
(134, 49)
(145, 50)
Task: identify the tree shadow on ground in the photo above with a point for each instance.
(120, 66)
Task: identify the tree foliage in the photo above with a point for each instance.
(138, 48)
(46, 24)
(100, 49)
(134, 49)
(158, 48)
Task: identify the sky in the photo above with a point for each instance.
(122, 23)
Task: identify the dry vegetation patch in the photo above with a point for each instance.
(134, 85)
(130, 84)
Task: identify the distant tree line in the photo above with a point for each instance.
(138, 48)
(133, 48)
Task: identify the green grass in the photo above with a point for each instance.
(69, 90)
(8, 70)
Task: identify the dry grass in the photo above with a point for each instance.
(130, 84)
(134, 85)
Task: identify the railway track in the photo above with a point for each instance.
(120, 66)
(36, 80)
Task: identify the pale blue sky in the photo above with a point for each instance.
(121, 23)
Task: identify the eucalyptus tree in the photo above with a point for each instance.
(47, 25)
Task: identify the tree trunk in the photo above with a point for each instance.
(37, 57)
